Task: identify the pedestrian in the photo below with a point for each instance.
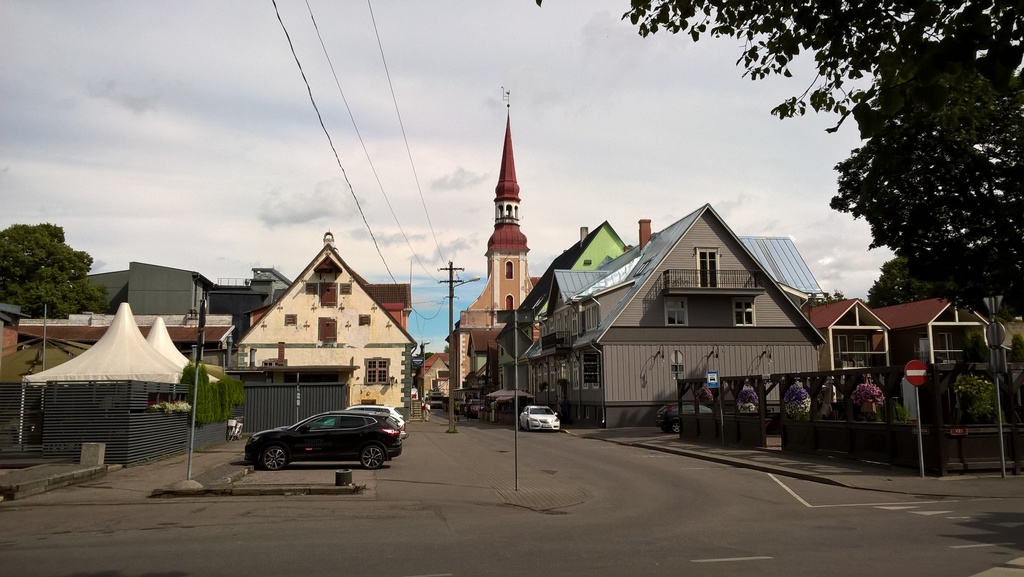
(426, 411)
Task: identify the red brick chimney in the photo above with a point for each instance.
(645, 232)
(280, 354)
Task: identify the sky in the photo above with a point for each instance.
(182, 134)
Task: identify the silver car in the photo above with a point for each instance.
(382, 410)
(538, 418)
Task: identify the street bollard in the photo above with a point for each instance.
(342, 477)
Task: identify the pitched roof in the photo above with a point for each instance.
(481, 340)
(911, 314)
(636, 266)
(391, 293)
(92, 334)
(780, 259)
(826, 315)
(538, 296)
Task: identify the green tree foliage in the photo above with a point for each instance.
(827, 299)
(1016, 353)
(948, 196)
(871, 57)
(38, 268)
(896, 286)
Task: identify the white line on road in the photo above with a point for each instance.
(980, 545)
(790, 491)
(729, 559)
(930, 513)
(879, 505)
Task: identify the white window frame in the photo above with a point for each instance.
(707, 276)
(746, 311)
(672, 313)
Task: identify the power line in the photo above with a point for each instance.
(363, 144)
(404, 138)
(331, 142)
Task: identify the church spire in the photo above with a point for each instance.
(506, 235)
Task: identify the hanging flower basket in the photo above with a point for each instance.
(747, 399)
(704, 395)
(797, 402)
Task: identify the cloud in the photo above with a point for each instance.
(137, 103)
(459, 180)
(312, 207)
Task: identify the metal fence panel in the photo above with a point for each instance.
(270, 405)
(21, 418)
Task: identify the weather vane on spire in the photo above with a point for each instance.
(505, 97)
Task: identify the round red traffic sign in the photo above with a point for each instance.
(916, 373)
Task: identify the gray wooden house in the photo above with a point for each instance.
(687, 300)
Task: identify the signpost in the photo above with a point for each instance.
(916, 373)
(712, 382)
(995, 333)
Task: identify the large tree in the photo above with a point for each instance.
(38, 268)
(948, 195)
(895, 285)
(871, 57)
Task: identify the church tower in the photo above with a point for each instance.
(508, 274)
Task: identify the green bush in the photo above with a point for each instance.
(215, 400)
(977, 396)
(1016, 354)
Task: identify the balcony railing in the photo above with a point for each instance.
(557, 339)
(711, 279)
(856, 360)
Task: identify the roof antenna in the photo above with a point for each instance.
(504, 97)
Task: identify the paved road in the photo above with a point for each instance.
(450, 506)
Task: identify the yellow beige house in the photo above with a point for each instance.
(332, 327)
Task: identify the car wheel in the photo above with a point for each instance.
(675, 427)
(372, 456)
(273, 458)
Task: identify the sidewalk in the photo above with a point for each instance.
(221, 471)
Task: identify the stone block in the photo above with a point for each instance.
(93, 454)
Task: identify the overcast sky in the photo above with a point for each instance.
(181, 134)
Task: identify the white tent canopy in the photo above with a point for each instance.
(121, 354)
(162, 342)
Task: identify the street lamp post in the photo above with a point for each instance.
(454, 350)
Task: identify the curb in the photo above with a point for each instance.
(260, 490)
(55, 481)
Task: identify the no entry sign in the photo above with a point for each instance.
(916, 373)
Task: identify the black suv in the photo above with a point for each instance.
(333, 436)
(667, 418)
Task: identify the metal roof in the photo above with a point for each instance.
(781, 259)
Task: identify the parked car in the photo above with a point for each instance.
(667, 418)
(334, 436)
(382, 410)
(538, 417)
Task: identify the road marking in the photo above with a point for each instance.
(930, 513)
(897, 507)
(730, 559)
(980, 545)
(878, 505)
(790, 491)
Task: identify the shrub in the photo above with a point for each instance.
(214, 399)
(977, 396)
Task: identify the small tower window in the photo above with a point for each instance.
(509, 270)
(509, 304)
